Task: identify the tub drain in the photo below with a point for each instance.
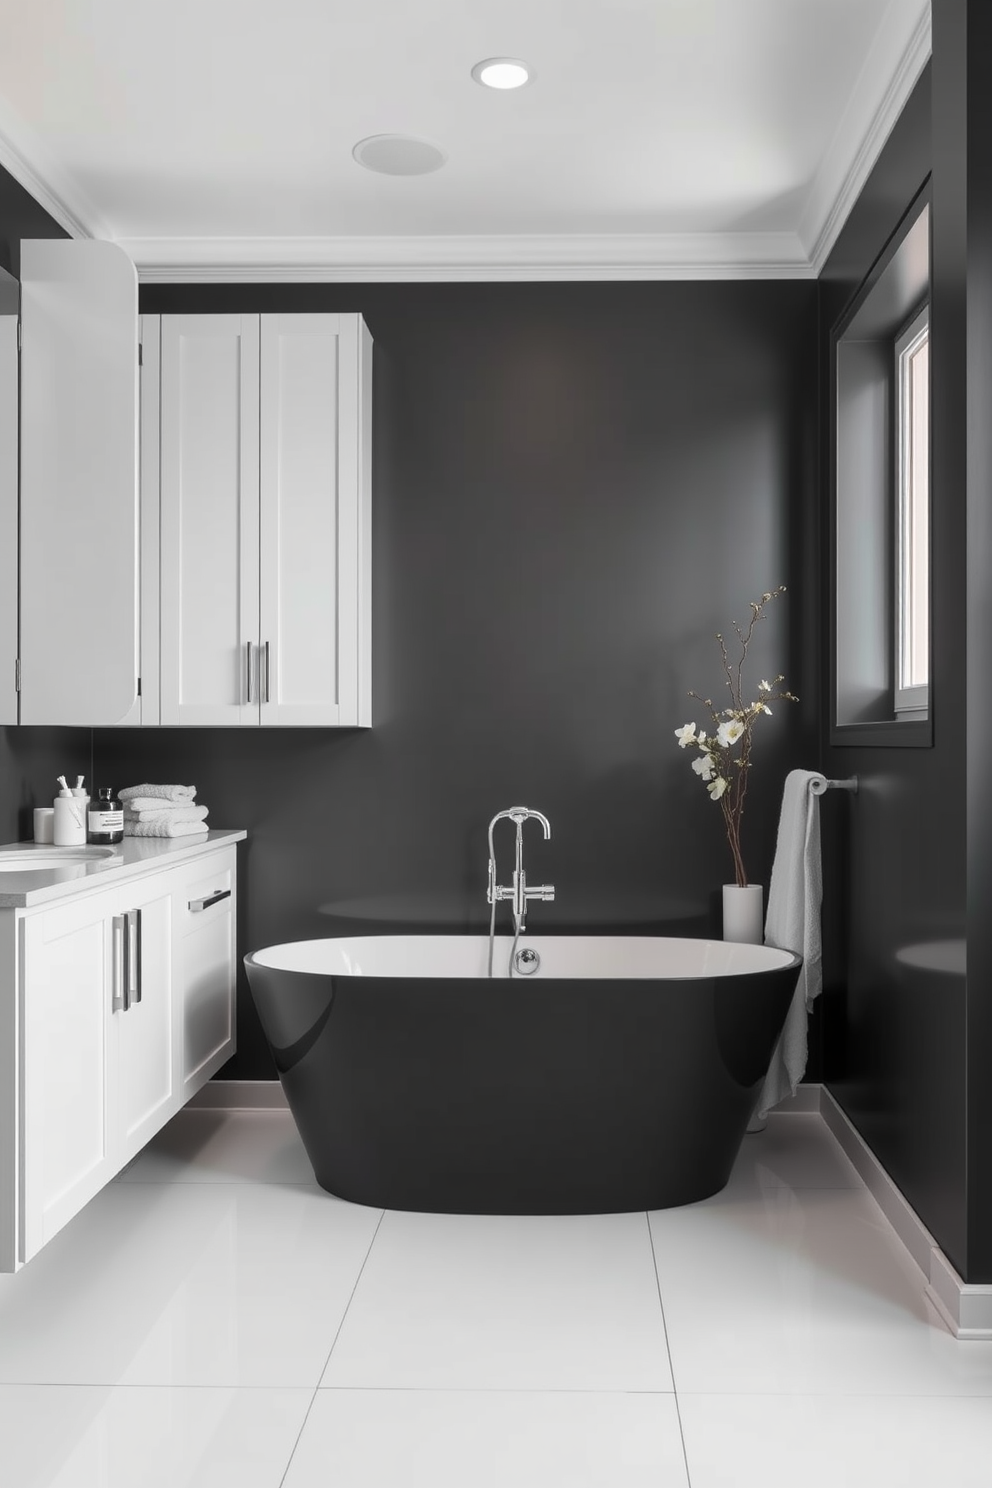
(526, 962)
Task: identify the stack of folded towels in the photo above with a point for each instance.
(162, 811)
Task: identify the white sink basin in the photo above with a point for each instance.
(33, 859)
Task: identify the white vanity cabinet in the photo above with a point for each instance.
(116, 1005)
(261, 496)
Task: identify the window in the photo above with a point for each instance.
(880, 499)
(912, 518)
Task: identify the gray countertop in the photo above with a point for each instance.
(135, 854)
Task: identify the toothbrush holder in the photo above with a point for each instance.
(70, 822)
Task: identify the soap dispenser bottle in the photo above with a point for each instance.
(106, 818)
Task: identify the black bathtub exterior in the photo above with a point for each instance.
(553, 1096)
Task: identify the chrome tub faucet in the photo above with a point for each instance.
(517, 891)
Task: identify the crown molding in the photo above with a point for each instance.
(498, 257)
(24, 156)
(891, 69)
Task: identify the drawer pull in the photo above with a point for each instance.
(119, 964)
(133, 956)
(196, 905)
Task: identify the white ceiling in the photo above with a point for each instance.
(657, 138)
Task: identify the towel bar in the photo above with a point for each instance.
(850, 784)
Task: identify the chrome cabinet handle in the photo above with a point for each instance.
(133, 956)
(196, 905)
(265, 697)
(251, 676)
(119, 964)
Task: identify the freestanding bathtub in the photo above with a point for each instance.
(619, 1076)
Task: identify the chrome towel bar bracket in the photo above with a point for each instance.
(850, 784)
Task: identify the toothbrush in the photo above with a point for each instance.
(64, 784)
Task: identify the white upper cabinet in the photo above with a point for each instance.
(265, 492)
(78, 483)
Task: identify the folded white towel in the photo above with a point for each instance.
(163, 812)
(792, 923)
(154, 803)
(164, 828)
(160, 792)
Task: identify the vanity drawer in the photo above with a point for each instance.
(206, 893)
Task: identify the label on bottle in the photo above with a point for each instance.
(106, 821)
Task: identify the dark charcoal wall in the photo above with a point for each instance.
(575, 487)
(907, 1045)
(30, 759)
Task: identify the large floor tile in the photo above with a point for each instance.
(186, 1284)
(803, 1291)
(771, 1441)
(207, 1146)
(54, 1436)
(793, 1151)
(506, 1303)
(474, 1439)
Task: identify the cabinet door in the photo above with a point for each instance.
(79, 482)
(205, 910)
(209, 519)
(72, 964)
(308, 520)
(146, 1094)
(314, 503)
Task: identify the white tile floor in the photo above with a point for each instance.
(214, 1320)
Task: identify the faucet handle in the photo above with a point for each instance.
(542, 891)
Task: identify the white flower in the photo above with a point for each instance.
(717, 787)
(703, 766)
(686, 734)
(728, 733)
(764, 686)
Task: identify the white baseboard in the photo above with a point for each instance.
(240, 1095)
(806, 1099)
(965, 1307)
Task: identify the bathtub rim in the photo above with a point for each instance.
(762, 958)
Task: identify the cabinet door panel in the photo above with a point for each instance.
(67, 1098)
(209, 517)
(310, 425)
(208, 1003)
(79, 482)
(146, 1091)
(204, 899)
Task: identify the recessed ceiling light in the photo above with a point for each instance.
(398, 155)
(501, 72)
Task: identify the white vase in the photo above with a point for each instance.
(743, 917)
